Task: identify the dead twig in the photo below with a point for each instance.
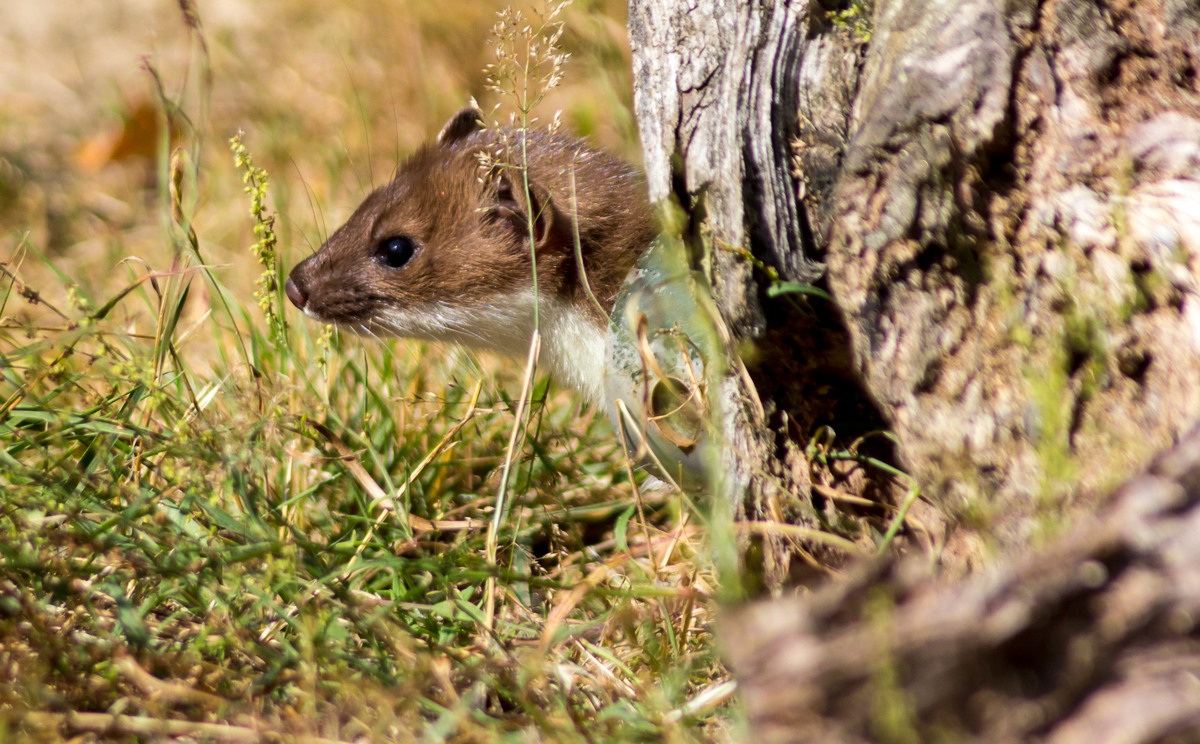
(140, 725)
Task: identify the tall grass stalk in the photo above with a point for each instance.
(528, 66)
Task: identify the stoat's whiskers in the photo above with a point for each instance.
(366, 329)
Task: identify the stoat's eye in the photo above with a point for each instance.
(395, 252)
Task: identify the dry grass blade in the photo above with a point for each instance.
(572, 598)
(625, 420)
(388, 505)
(836, 495)
(103, 723)
(583, 277)
(157, 689)
(637, 495)
(381, 497)
(710, 697)
(801, 533)
(493, 537)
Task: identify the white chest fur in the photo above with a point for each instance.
(572, 344)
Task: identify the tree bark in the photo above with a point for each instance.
(1015, 243)
(718, 92)
(1004, 198)
(1095, 639)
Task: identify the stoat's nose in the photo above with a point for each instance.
(298, 296)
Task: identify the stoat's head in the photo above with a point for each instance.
(443, 252)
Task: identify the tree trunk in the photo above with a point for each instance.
(1004, 199)
(1096, 639)
(718, 94)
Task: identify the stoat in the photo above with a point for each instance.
(443, 253)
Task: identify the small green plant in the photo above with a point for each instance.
(855, 21)
(257, 181)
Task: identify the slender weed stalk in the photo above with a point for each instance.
(529, 64)
(257, 181)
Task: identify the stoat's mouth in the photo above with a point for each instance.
(363, 328)
(363, 324)
(338, 319)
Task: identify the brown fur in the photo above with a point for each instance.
(469, 225)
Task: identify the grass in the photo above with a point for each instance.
(184, 546)
(222, 528)
(221, 522)
(193, 549)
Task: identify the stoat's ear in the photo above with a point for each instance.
(462, 125)
(550, 227)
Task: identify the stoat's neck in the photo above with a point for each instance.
(573, 338)
(573, 347)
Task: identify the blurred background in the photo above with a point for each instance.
(330, 97)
